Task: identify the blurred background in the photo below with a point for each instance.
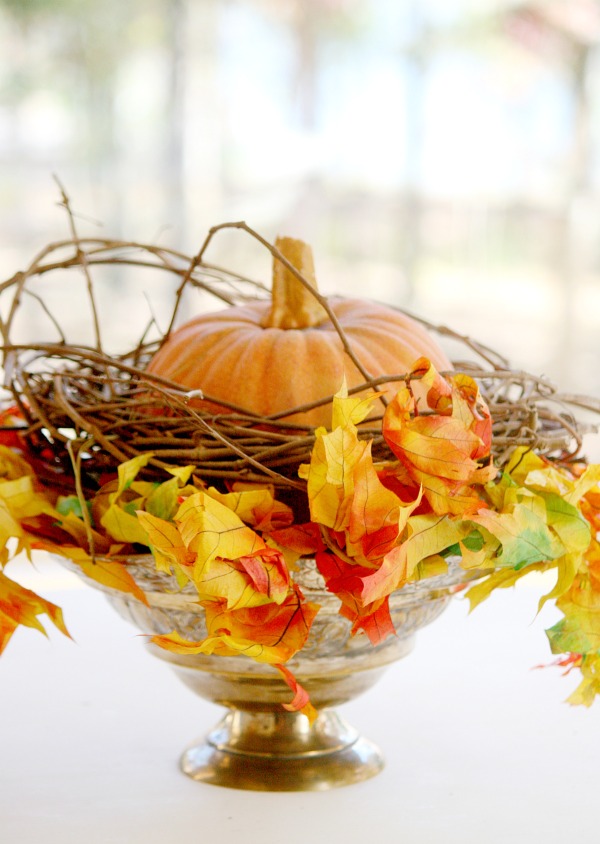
(441, 155)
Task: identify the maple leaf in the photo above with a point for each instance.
(579, 630)
(21, 606)
(439, 450)
(297, 541)
(301, 701)
(270, 633)
(210, 529)
(498, 579)
(346, 581)
(223, 557)
(256, 506)
(167, 545)
(377, 516)
(585, 694)
(330, 474)
(427, 536)
(524, 535)
(112, 574)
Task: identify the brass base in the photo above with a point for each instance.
(281, 751)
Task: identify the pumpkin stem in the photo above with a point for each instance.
(293, 305)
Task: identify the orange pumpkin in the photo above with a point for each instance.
(272, 356)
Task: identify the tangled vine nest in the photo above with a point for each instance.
(91, 410)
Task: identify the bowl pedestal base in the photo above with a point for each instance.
(281, 751)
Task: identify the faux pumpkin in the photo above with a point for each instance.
(269, 357)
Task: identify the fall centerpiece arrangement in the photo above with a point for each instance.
(287, 481)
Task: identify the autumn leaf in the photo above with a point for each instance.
(115, 505)
(12, 465)
(579, 630)
(211, 530)
(586, 693)
(525, 537)
(255, 506)
(427, 536)
(377, 516)
(499, 579)
(10, 528)
(301, 701)
(111, 574)
(349, 411)
(166, 544)
(346, 581)
(123, 526)
(457, 396)
(269, 633)
(437, 452)
(163, 499)
(297, 541)
(440, 448)
(21, 606)
(330, 474)
(223, 557)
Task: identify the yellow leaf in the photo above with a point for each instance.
(255, 506)
(566, 567)
(128, 471)
(330, 476)
(588, 480)
(123, 526)
(112, 574)
(12, 466)
(500, 579)
(429, 534)
(9, 529)
(167, 545)
(212, 530)
(182, 473)
(23, 500)
(349, 411)
(525, 536)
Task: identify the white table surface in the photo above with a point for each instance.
(479, 747)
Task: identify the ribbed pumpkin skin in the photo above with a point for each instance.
(230, 356)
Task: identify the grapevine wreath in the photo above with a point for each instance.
(284, 425)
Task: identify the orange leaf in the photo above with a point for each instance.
(304, 539)
(301, 701)
(268, 573)
(21, 606)
(269, 633)
(377, 516)
(440, 451)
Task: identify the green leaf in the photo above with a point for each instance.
(571, 526)
(69, 504)
(163, 501)
(524, 535)
(578, 632)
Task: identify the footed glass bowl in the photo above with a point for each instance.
(259, 745)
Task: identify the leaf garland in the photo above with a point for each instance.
(374, 527)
